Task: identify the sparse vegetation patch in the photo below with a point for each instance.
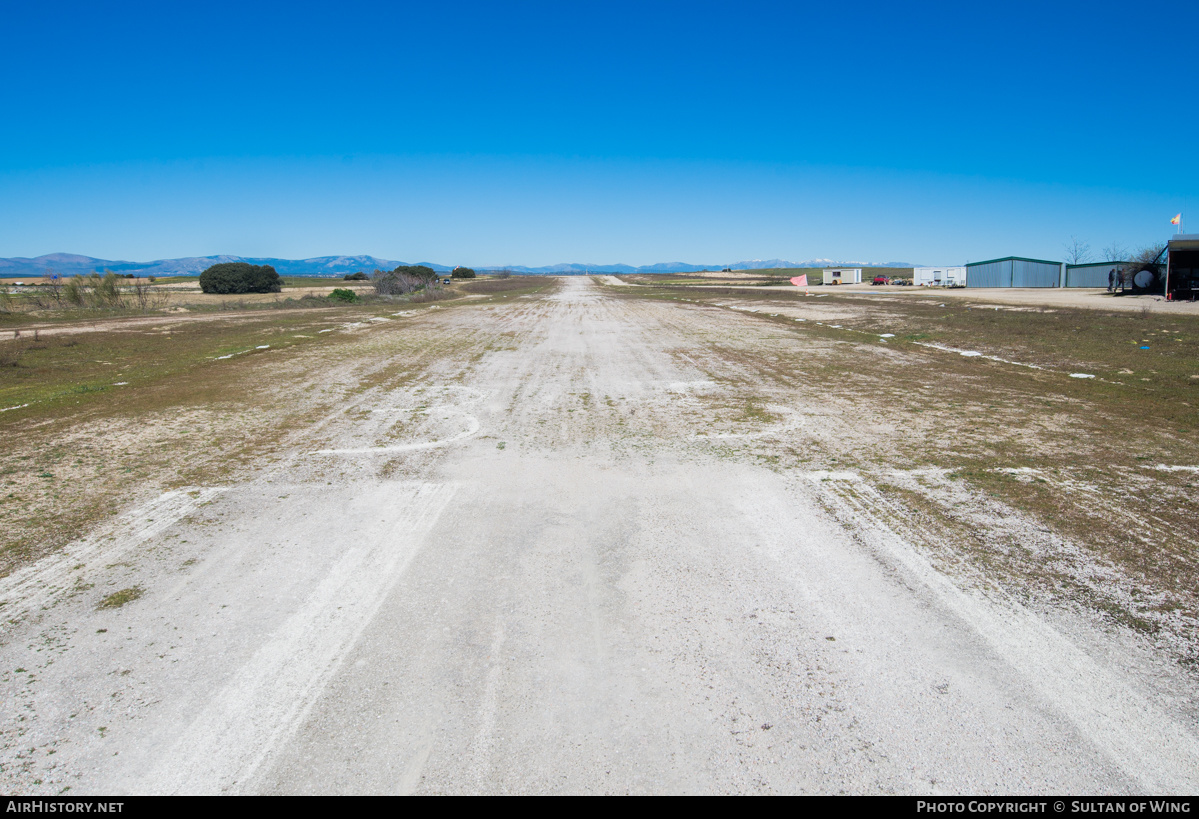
(120, 598)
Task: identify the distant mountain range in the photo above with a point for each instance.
(68, 264)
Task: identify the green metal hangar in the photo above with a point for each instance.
(1014, 271)
(1182, 266)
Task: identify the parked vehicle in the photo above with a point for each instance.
(881, 280)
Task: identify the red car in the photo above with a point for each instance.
(881, 280)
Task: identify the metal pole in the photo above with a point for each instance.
(1166, 292)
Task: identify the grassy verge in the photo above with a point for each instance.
(109, 417)
(517, 285)
(1035, 463)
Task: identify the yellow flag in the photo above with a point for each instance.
(1176, 220)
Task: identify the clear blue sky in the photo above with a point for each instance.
(536, 133)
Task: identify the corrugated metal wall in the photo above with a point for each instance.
(1089, 275)
(1035, 274)
(1013, 273)
(995, 274)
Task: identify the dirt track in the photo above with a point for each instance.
(559, 567)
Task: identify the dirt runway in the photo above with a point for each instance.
(559, 566)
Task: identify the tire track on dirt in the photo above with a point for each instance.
(259, 708)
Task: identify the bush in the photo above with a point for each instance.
(403, 280)
(94, 291)
(462, 273)
(105, 292)
(341, 294)
(74, 291)
(418, 271)
(355, 277)
(430, 294)
(240, 277)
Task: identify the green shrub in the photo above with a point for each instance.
(356, 277)
(418, 271)
(240, 277)
(403, 280)
(462, 273)
(95, 291)
(74, 291)
(341, 294)
(105, 291)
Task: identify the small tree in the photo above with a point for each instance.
(404, 279)
(144, 295)
(462, 273)
(355, 277)
(1115, 252)
(504, 274)
(264, 279)
(1077, 251)
(52, 286)
(74, 291)
(419, 271)
(395, 282)
(240, 277)
(106, 291)
(222, 278)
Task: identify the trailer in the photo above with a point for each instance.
(1182, 266)
(939, 276)
(843, 275)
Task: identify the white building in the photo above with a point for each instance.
(939, 276)
(843, 275)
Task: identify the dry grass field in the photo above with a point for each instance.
(100, 409)
(1056, 448)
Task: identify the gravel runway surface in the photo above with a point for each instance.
(543, 573)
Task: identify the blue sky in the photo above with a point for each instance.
(536, 133)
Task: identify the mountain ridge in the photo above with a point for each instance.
(71, 264)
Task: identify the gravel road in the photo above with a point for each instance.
(544, 572)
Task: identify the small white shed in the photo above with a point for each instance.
(939, 276)
(843, 275)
